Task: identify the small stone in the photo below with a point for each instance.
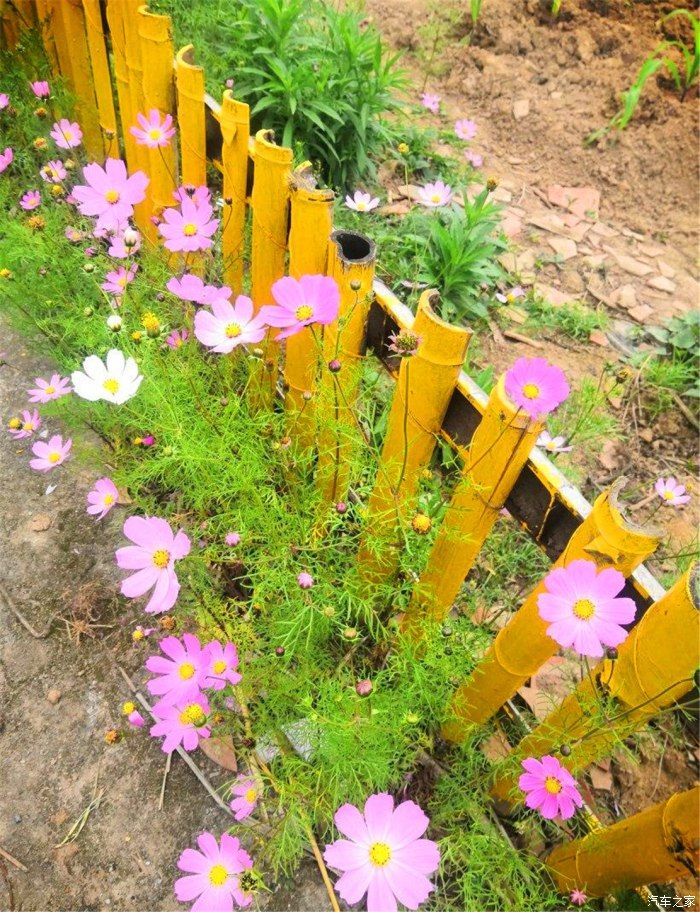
(563, 247)
(572, 281)
(629, 264)
(641, 312)
(521, 108)
(665, 269)
(661, 283)
(598, 337)
(603, 230)
(53, 696)
(625, 297)
(552, 295)
(595, 260)
(40, 523)
(18, 818)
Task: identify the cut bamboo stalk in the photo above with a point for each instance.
(135, 70)
(522, 646)
(189, 80)
(424, 387)
(45, 16)
(234, 120)
(102, 81)
(657, 845)
(127, 116)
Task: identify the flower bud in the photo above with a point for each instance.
(341, 507)
(279, 651)
(130, 237)
(565, 750)
(355, 285)
(334, 366)
(364, 687)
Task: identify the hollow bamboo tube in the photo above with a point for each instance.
(127, 115)
(234, 121)
(498, 451)
(102, 81)
(351, 260)
(641, 680)
(422, 393)
(657, 845)
(522, 646)
(189, 80)
(310, 229)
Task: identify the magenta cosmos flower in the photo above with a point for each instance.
(31, 422)
(229, 325)
(671, 492)
(191, 288)
(53, 172)
(53, 388)
(177, 338)
(550, 788)
(30, 200)
(430, 101)
(214, 874)
(109, 194)
(583, 607)
(4, 100)
(232, 539)
(305, 580)
(66, 134)
(40, 88)
(552, 444)
(153, 556)
(361, 202)
(153, 132)
(434, 195)
(191, 228)
(578, 897)
(136, 719)
(102, 498)
(6, 159)
(181, 723)
(383, 855)
(301, 302)
(51, 454)
(116, 281)
(465, 129)
(183, 673)
(222, 662)
(536, 386)
(247, 793)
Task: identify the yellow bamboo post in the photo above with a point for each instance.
(234, 121)
(100, 76)
(189, 80)
(310, 229)
(605, 537)
(650, 673)
(127, 115)
(351, 261)
(424, 387)
(155, 36)
(498, 451)
(657, 845)
(45, 18)
(135, 71)
(270, 205)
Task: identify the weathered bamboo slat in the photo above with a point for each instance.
(135, 71)
(101, 78)
(45, 20)
(189, 79)
(234, 120)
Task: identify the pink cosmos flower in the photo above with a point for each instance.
(190, 228)
(435, 195)
(53, 172)
(465, 129)
(191, 288)
(301, 302)
(116, 281)
(182, 723)
(474, 159)
(384, 855)
(246, 800)
(109, 194)
(53, 388)
(153, 132)
(102, 498)
(183, 673)
(66, 135)
(222, 662)
(124, 242)
(215, 870)
(550, 788)
(6, 158)
(232, 539)
(4, 100)
(517, 291)
(229, 325)
(136, 719)
(536, 386)
(361, 202)
(153, 555)
(552, 444)
(578, 897)
(198, 195)
(671, 492)
(40, 89)
(583, 607)
(430, 101)
(305, 580)
(30, 200)
(51, 454)
(177, 338)
(73, 235)
(139, 633)
(31, 422)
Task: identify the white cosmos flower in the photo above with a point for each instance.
(115, 380)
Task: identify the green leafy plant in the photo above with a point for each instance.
(677, 365)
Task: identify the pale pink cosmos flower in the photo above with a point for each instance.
(183, 723)
(383, 855)
(232, 539)
(53, 172)
(507, 297)
(189, 228)
(53, 388)
(671, 492)
(198, 195)
(51, 454)
(73, 235)
(229, 325)
(549, 788)
(474, 159)
(583, 607)
(116, 281)
(177, 338)
(434, 195)
(465, 129)
(31, 422)
(361, 202)
(136, 719)
(183, 673)
(109, 194)
(222, 662)
(305, 580)
(4, 100)
(6, 159)
(430, 101)
(153, 132)
(247, 794)
(66, 134)
(30, 200)
(578, 897)
(124, 242)
(552, 444)
(190, 287)
(40, 88)
(153, 556)
(536, 386)
(301, 302)
(102, 498)
(214, 874)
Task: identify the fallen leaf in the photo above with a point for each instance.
(496, 747)
(600, 778)
(608, 456)
(220, 750)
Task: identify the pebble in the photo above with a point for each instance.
(564, 247)
(53, 696)
(521, 108)
(661, 283)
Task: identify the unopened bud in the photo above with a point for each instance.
(364, 688)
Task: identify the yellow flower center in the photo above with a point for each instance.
(192, 715)
(50, 390)
(250, 796)
(27, 426)
(552, 785)
(186, 670)
(154, 133)
(218, 875)
(161, 558)
(435, 198)
(668, 495)
(361, 207)
(189, 229)
(121, 282)
(584, 609)
(150, 322)
(112, 196)
(137, 635)
(233, 330)
(379, 854)
(14, 424)
(421, 523)
(54, 457)
(68, 134)
(108, 500)
(531, 391)
(128, 708)
(219, 667)
(550, 445)
(111, 385)
(304, 312)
